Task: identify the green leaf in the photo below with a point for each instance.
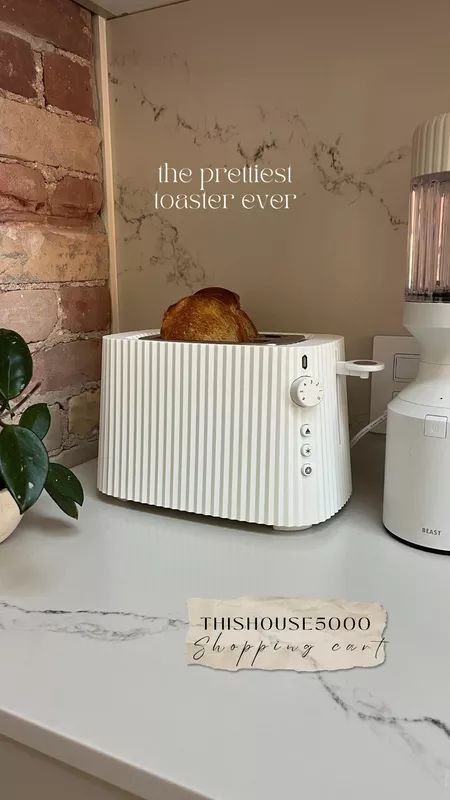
(23, 464)
(64, 488)
(63, 480)
(65, 503)
(37, 419)
(16, 365)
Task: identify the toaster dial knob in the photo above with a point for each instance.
(306, 391)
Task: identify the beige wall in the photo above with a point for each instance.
(335, 90)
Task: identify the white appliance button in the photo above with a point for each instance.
(306, 450)
(306, 470)
(435, 426)
(305, 430)
(306, 392)
(405, 366)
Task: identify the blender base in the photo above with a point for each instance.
(416, 506)
(416, 546)
(417, 472)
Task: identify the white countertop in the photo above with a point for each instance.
(92, 670)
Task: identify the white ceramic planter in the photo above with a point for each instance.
(9, 514)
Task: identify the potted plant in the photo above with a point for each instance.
(25, 470)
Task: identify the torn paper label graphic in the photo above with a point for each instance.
(300, 634)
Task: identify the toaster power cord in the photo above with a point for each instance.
(368, 428)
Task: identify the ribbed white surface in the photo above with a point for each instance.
(211, 428)
(431, 147)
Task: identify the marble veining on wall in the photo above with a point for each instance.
(215, 84)
(168, 253)
(135, 205)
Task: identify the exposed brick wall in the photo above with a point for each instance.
(53, 248)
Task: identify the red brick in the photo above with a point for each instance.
(61, 22)
(53, 440)
(30, 312)
(83, 413)
(17, 67)
(68, 364)
(43, 253)
(85, 308)
(68, 85)
(76, 197)
(78, 454)
(34, 134)
(22, 189)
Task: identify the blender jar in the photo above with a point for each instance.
(428, 278)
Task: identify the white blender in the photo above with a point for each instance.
(417, 471)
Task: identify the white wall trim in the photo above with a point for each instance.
(119, 8)
(108, 214)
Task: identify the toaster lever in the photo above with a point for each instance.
(359, 368)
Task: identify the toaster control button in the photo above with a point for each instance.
(306, 470)
(305, 430)
(306, 450)
(306, 392)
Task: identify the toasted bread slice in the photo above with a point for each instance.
(210, 315)
(250, 329)
(202, 319)
(225, 295)
(234, 301)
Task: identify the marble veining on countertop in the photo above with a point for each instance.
(93, 621)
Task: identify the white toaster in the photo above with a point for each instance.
(253, 432)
